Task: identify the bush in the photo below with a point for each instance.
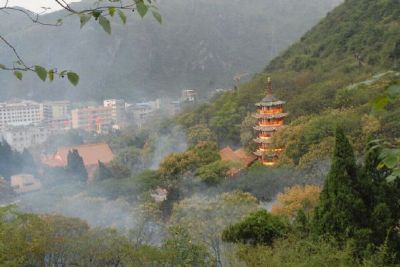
(258, 228)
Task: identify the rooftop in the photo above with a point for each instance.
(90, 153)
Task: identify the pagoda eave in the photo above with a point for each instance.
(262, 141)
(267, 128)
(268, 154)
(270, 104)
(270, 116)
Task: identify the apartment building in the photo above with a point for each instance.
(117, 106)
(92, 119)
(21, 137)
(57, 114)
(141, 112)
(21, 113)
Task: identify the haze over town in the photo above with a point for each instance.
(199, 133)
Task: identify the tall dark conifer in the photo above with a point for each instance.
(27, 163)
(383, 202)
(341, 212)
(102, 172)
(76, 166)
(8, 161)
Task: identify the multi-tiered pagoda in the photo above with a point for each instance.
(270, 118)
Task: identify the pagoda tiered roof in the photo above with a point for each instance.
(271, 154)
(263, 140)
(267, 128)
(270, 116)
(269, 101)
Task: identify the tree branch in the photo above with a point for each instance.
(20, 60)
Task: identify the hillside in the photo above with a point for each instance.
(201, 44)
(327, 78)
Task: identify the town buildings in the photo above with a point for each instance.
(57, 115)
(21, 137)
(141, 112)
(188, 96)
(21, 113)
(92, 119)
(270, 118)
(118, 114)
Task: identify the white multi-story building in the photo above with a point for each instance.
(92, 119)
(142, 111)
(117, 106)
(21, 137)
(21, 113)
(57, 114)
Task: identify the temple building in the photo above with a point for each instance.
(270, 118)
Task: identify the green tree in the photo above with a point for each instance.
(382, 199)
(119, 169)
(213, 173)
(199, 133)
(103, 172)
(247, 133)
(260, 227)
(341, 211)
(206, 218)
(7, 160)
(75, 165)
(183, 251)
(27, 162)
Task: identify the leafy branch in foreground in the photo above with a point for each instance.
(390, 151)
(99, 13)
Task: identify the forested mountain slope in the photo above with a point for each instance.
(327, 78)
(201, 44)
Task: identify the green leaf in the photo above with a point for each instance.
(84, 19)
(396, 172)
(391, 178)
(59, 21)
(111, 11)
(51, 75)
(390, 161)
(157, 16)
(41, 72)
(105, 24)
(122, 16)
(393, 92)
(73, 78)
(96, 14)
(2, 67)
(380, 102)
(142, 8)
(18, 74)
